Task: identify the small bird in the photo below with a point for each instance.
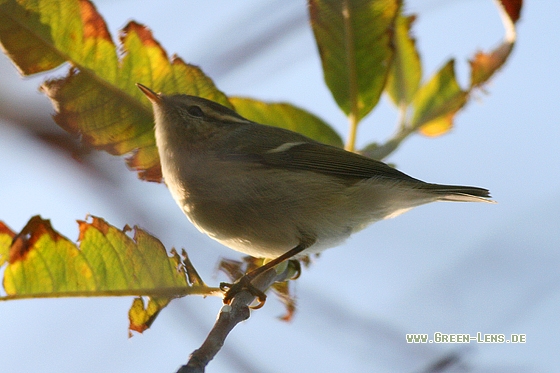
(273, 193)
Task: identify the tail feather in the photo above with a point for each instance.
(459, 193)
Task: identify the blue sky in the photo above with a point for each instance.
(452, 268)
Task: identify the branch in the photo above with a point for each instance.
(379, 152)
(228, 317)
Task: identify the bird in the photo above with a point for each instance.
(273, 193)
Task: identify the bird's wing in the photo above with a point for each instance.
(289, 150)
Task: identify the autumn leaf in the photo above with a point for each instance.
(142, 315)
(6, 237)
(41, 263)
(485, 65)
(437, 101)
(98, 98)
(438, 126)
(282, 291)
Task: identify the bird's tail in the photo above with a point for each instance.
(459, 193)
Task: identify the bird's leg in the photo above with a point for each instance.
(244, 283)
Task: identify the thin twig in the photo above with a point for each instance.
(228, 317)
(382, 151)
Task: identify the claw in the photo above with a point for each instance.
(243, 284)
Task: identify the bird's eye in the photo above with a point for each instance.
(195, 111)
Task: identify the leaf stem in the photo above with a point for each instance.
(402, 124)
(351, 143)
(179, 291)
(353, 116)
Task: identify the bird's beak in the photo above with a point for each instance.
(152, 96)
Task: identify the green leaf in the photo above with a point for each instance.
(98, 98)
(34, 39)
(44, 264)
(406, 69)
(286, 116)
(354, 42)
(437, 101)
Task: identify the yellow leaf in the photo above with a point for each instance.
(437, 101)
(438, 126)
